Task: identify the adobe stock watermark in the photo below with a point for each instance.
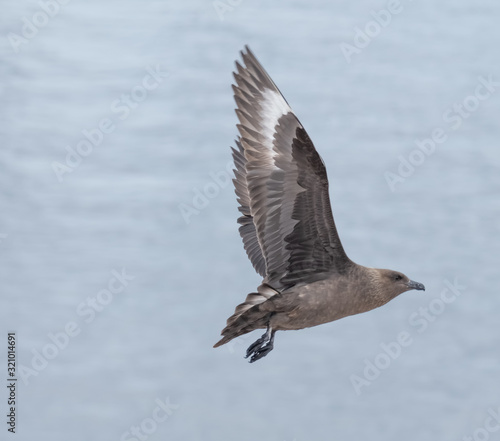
(201, 197)
(31, 26)
(454, 116)
(120, 110)
(419, 320)
(223, 7)
(364, 35)
(491, 425)
(148, 426)
(87, 311)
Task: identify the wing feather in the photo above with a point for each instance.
(281, 183)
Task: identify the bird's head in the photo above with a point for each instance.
(392, 283)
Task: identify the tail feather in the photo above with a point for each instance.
(253, 313)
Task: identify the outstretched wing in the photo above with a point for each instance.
(286, 225)
(247, 228)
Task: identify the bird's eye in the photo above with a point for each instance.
(398, 277)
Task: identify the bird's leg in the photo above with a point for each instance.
(264, 350)
(260, 342)
(262, 346)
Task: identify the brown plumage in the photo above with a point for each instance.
(287, 225)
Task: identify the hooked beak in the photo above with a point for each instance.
(415, 285)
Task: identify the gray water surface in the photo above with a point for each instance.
(151, 199)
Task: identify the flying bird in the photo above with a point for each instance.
(287, 225)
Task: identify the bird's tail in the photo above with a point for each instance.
(253, 313)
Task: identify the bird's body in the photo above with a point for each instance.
(287, 225)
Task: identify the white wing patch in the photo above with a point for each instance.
(273, 107)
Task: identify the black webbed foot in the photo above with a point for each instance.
(262, 352)
(262, 346)
(256, 345)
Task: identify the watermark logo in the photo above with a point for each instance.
(223, 7)
(201, 196)
(364, 35)
(40, 19)
(148, 426)
(61, 339)
(391, 351)
(120, 109)
(454, 116)
(491, 425)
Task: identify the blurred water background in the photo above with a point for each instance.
(149, 83)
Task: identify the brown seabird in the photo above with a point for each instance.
(287, 224)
